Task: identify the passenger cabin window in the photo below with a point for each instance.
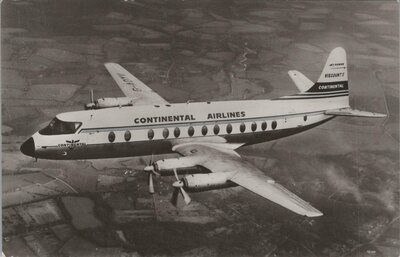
(264, 125)
(242, 127)
(274, 124)
(150, 134)
(216, 129)
(253, 126)
(305, 118)
(127, 135)
(190, 131)
(165, 133)
(204, 130)
(111, 136)
(229, 128)
(58, 127)
(177, 132)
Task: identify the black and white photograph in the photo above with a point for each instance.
(237, 128)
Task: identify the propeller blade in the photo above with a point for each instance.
(150, 165)
(91, 96)
(175, 195)
(178, 195)
(176, 174)
(178, 188)
(185, 195)
(151, 184)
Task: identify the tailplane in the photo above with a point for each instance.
(302, 82)
(354, 113)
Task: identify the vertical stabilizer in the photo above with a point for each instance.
(334, 75)
(332, 85)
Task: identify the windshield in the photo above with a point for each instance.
(58, 127)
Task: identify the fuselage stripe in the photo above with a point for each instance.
(296, 97)
(270, 132)
(206, 122)
(322, 93)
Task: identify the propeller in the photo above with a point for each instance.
(178, 185)
(151, 171)
(150, 182)
(92, 104)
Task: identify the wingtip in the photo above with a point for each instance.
(314, 213)
(380, 115)
(338, 49)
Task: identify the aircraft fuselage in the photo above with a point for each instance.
(145, 130)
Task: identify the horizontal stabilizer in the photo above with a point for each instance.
(301, 81)
(354, 113)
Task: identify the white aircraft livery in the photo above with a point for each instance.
(204, 134)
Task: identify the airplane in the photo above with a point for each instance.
(204, 134)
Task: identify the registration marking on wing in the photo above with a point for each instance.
(127, 81)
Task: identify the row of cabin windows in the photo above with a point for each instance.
(127, 136)
(204, 130)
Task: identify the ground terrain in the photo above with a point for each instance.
(53, 54)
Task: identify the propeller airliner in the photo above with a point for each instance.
(204, 134)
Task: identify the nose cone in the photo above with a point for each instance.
(28, 147)
(149, 168)
(178, 184)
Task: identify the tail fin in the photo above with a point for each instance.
(331, 86)
(333, 79)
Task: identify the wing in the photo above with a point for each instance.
(132, 87)
(220, 157)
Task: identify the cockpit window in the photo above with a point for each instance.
(58, 127)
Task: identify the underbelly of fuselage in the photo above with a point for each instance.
(149, 147)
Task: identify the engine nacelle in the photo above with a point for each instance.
(209, 181)
(175, 163)
(109, 102)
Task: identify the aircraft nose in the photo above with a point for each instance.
(28, 147)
